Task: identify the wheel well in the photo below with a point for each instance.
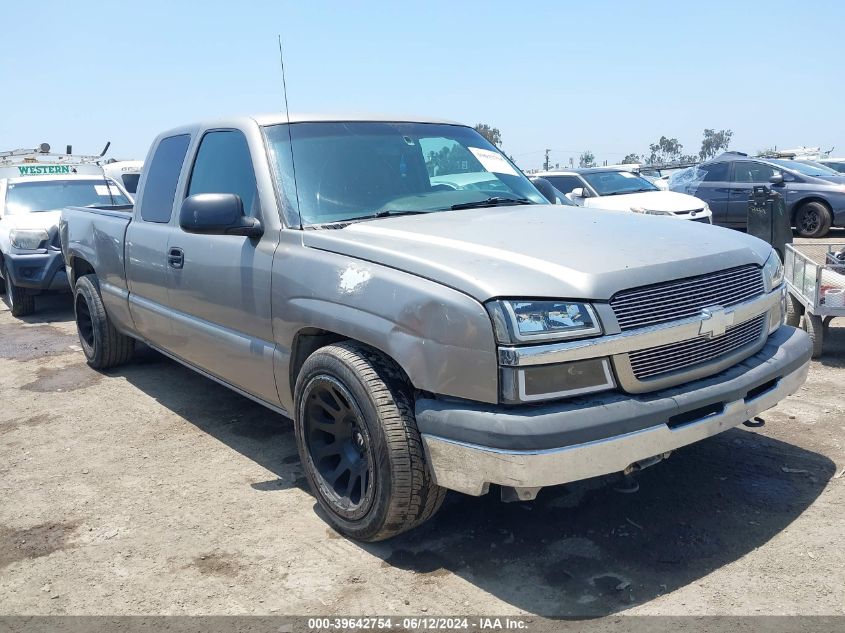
(309, 340)
(80, 267)
(804, 201)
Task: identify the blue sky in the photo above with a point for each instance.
(606, 76)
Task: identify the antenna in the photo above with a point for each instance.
(290, 134)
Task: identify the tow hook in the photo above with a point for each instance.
(755, 423)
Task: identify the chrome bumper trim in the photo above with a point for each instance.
(471, 469)
(632, 340)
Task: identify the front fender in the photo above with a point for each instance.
(441, 338)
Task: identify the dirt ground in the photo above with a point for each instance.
(151, 490)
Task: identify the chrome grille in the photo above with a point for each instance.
(662, 303)
(654, 361)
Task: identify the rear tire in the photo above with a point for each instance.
(359, 443)
(794, 311)
(814, 325)
(19, 301)
(102, 344)
(813, 219)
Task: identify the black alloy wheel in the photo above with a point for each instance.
(339, 447)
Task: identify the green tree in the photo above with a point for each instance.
(587, 159)
(714, 142)
(454, 159)
(666, 150)
(631, 159)
(492, 134)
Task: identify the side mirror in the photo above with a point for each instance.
(546, 188)
(777, 179)
(217, 214)
(580, 192)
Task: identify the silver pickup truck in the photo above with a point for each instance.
(402, 292)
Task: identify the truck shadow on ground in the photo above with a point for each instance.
(580, 550)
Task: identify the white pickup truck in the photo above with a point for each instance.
(32, 195)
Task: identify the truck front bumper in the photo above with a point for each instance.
(44, 271)
(470, 446)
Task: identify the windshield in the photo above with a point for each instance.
(838, 166)
(611, 183)
(806, 168)
(49, 195)
(354, 170)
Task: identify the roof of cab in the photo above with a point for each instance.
(277, 118)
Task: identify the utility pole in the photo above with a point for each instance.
(546, 164)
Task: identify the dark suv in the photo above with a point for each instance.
(725, 183)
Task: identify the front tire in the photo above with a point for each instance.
(102, 344)
(814, 326)
(794, 311)
(359, 443)
(813, 220)
(19, 301)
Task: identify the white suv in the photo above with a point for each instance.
(618, 189)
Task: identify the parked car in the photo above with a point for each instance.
(657, 176)
(726, 183)
(126, 172)
(834, 163)
(810, 168)
(619, 189)
(424, 338)
(30, 205)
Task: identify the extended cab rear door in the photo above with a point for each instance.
(219, 285)
(146, 241)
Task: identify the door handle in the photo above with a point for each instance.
(175, 258)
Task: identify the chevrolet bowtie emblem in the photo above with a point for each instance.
(714, 321)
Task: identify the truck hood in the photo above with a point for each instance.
(652, 200)
(42, 220)
(542, 250)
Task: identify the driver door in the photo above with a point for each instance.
(219, 285)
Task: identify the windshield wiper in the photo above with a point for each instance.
(490, 202)
(625, 193)
(384, 213)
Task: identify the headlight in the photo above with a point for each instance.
(650, 211)
(773, 271)
(528, 321)
(28, 239)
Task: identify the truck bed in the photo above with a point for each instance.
(96, 235)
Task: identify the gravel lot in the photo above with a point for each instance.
(151, 490)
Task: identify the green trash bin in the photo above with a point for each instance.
(768, 219)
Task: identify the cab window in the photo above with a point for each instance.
(162, 178)
(223, 165)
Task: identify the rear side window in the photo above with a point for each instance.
(565, 184)
(162, 178)
(130, 182)
(715, 172)
(223, 165)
